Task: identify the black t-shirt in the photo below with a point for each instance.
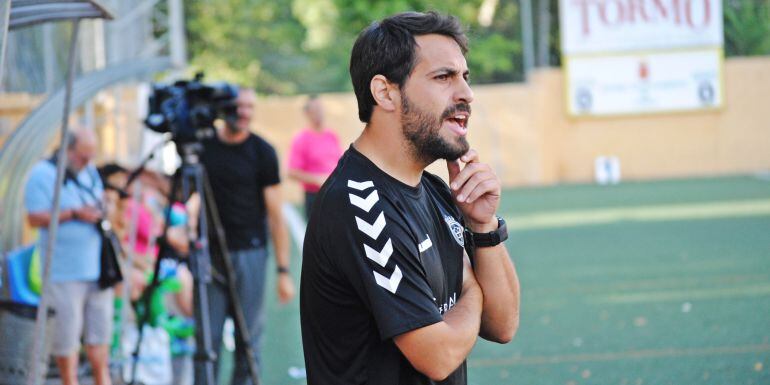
(381, 258)
(238, 174)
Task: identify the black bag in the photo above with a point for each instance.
(110, 273)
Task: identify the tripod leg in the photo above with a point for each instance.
(200, 266)
(205, 356)
(218, 304)
(243, 332)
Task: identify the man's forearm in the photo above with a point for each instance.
(465, 322)
(498, 280)
(278, 230)
(43, 219)
(438, 350)
(280, 237)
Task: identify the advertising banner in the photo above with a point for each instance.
(644, 83)
(641, 56)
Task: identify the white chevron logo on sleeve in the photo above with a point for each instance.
(381, 257)
(360, 186)
(373, 230)
(364, 204)
(391, 284)
(425, 245)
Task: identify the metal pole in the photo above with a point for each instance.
(49, 57)
(526, 36)
(177, 43)
(544, 32)
(42, 309)
(112, 37)
(5, 14)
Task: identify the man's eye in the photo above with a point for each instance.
(442, 77)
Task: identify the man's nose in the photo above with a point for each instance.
(464, 93)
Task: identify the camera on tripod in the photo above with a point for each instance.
(188, 108)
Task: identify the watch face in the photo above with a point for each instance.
(502, 229)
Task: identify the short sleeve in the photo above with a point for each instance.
(38, 193)
(379, 257)
(269, 173)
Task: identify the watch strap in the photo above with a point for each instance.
(492, 238)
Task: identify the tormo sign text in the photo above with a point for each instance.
(694, 14)
(623, 25)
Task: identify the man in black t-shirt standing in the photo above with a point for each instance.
(243, 172)
(388, 293)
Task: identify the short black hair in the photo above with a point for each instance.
(387, 48)
(109, 169)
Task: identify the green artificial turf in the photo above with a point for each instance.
(665, 300)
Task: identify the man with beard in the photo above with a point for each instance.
(388, 293)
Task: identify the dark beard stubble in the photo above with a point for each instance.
(422, 131)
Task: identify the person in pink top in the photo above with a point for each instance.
(314, 152)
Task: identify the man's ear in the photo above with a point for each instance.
(385, 94)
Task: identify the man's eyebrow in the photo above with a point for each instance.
(448, 71)
(444, 71)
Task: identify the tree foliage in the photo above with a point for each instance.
(747, 27)
(303, 46)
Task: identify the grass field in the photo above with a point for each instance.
(642, 283)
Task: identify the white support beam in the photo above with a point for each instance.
(5, 13)
(177, 41)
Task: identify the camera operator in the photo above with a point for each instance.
(243, 172)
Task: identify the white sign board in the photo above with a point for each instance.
(641, 56)
(589, 26)
(637, 83)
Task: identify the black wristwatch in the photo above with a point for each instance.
(282, 270)
(492, 238)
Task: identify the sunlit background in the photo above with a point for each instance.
(632, 138)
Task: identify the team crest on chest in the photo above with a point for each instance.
(456, 229)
